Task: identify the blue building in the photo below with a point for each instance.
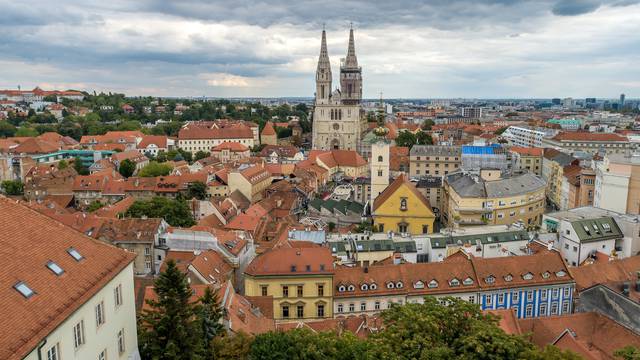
(88, 157)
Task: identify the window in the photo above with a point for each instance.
(403, 204)
(75, 254)
(55, 268)
(102, 355)
(117, 294)
(121, 347)
(554, 308)
(53, 352)
(300, 311)
(487, 299)
(472, 299)
(556, 292)
(565, 307)
(529, 310)
(376, 305)
(351, 288)
(380, 158)
(263, 290)
(100, 314)
(363, 306)
(340, 308)
(300, 291)
(454, 282)
(285, 291)
(402, 228)
(490, 279)
(78, 334)
(364, 287)
(515, 297)
(24, 289)
(320, 310)
(566, 292)
(341, 288)
(425, 229)
(432, 284)
(500, 298)
(379, 172)
(320, 290)
(543, 310)
(543, 295)
(529, 295)
(352, 307)
(285, 311)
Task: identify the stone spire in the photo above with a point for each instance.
(323, 72)
(351, 61)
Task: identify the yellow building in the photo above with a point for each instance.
(489, 198)
(300, 280)
(402, 208)
(251, 181)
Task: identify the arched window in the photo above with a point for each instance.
(390, 285)
(380, 158)
(341, 288)
(351, 288)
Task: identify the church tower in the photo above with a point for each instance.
(323, 73)
(379, 163)
(351, 75)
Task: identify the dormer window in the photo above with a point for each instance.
(433, 284)
(527, 276)
(364, 287)
(418, 285)
(490, 279)
(399, 285)
(454, 282)
(468, 281)
(508, 278)
(341, 288)
(561, 273)
(403, 204)
(545, 275)
(373, 286)
(391, 285)
(351, 288)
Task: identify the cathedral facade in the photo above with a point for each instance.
(338, 117)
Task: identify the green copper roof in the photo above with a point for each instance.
(441, 242)
(596, 229)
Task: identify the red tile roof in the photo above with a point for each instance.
(526, 151)
(231, 146)
(26, 322)
(268, 129)
(158, 140)
(588, 136)
(287, 261)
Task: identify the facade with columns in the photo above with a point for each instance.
(338, 118)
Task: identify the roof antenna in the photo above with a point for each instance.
(323, 26)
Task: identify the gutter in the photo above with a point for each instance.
(40, 346)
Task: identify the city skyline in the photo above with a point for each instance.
(463, 49)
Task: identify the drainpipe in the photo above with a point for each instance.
(40, 346)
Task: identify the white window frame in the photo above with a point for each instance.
(54, 352)
(100, 316)
(78, 334)
(121, 342)
(117, 295)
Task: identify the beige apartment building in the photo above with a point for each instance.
(488, 198)
(617, 185)
(434, 160)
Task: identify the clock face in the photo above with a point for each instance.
(336, 126)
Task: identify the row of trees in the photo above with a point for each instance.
(174, 326)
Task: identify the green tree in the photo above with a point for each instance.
(6, 129)
(201, 155)
(304, 344)
(628, 352)
(331, 225)
(197, 189)
(175, 212)
(127, 168)
(26, 132)
(155, 168)
(423, 138)
(63, 164)
(79, 166)
(169, 328)
(406, 139)
(12, 187)
(210, 317)
(95, 205)
(161, 156)
(233, 347)
(427, 124)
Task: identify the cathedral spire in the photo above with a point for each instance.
(351, 61)
(323, 72)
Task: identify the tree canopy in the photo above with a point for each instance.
(155, 168)
(12, 187)
(127, 168)
(174, 211)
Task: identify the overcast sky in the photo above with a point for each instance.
(418, 49)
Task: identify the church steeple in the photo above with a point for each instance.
(351, 74)
(351, 61)
(323, 72)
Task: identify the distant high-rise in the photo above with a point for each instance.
(556, 101)
(621, 101)
(590, 100)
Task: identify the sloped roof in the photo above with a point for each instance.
(393, 187)
(268, 129)
(27, 321)
(287, 261)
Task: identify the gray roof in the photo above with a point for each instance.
(590, 230)
(435, 150)
(429, 182)
(466, 186)
(441, 242)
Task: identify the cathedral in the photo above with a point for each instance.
(338, 118)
